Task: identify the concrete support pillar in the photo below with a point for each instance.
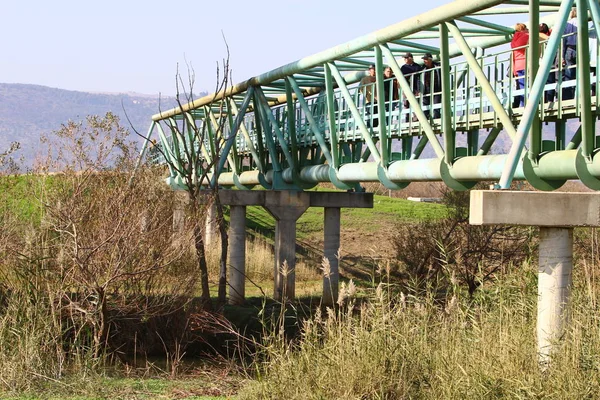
(181, 200)
(556, 214)
(210, 229)
(286, 207)
(331, 248)
(285, 259)
(554, 286)
(237, 254)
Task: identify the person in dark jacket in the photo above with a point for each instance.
(432, 84)
(411, 70)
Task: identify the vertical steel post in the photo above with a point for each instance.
(381, 101)
(588, 133)
(331, 110)
(449, 133)
(535, 133)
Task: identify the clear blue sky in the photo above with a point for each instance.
(134, 45)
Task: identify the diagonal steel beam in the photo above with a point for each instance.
(248, 140)
(239, 118)
(275, 126)
(311, 120)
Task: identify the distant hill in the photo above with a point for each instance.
(29, 111)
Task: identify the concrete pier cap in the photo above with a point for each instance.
(556, 214)
(552, 209)
(286, 207)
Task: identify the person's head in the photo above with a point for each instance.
(544, 29)
(573, 13)
(408, 58)
(387, 72)
(372, 70)
(428, 60)
(520, 27)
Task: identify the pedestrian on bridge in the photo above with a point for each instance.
(410, 70)
(569, 54)
(367, 88)
(545, 32)
(432, 84)
(390, 88)
(519, 60)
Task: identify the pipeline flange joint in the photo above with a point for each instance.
(529, 170)
(387, 182)
(450, 181)
(342, 185)
(581, 167)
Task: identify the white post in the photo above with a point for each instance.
(554, 286)
(237, 254)
(331, 249)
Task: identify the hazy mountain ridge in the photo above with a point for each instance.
(29, 111)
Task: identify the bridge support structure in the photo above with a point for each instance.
(286, 207)
(556, 214)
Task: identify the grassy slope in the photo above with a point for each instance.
(386, 211)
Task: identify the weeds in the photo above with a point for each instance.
(403, 346)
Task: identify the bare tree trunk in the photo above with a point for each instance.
(201, 255)
(101, 322)
(200, 251)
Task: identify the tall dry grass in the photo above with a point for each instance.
(411, 345)
(260, 265)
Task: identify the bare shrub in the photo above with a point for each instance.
(453, 247)
(108, 243)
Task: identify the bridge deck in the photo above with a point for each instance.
(310, 121)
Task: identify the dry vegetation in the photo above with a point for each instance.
(93, 283)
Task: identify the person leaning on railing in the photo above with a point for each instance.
(390, 89)
(367, 88)
(519, 60)
(545, 32)
(432, 82)
(569, 54)
(410, 70)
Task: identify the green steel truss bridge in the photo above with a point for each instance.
(308, 121)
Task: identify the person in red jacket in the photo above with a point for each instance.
(519, 60)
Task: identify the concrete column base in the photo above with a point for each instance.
(181, 200)
(237, 255)
(556, 214)
(331, 275)
(554, 287)
(286, 208)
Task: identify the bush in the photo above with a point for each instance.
(454, 248)
(397, 346)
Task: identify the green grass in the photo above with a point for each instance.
(192, 388)
(17, 195)
(386, 210)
